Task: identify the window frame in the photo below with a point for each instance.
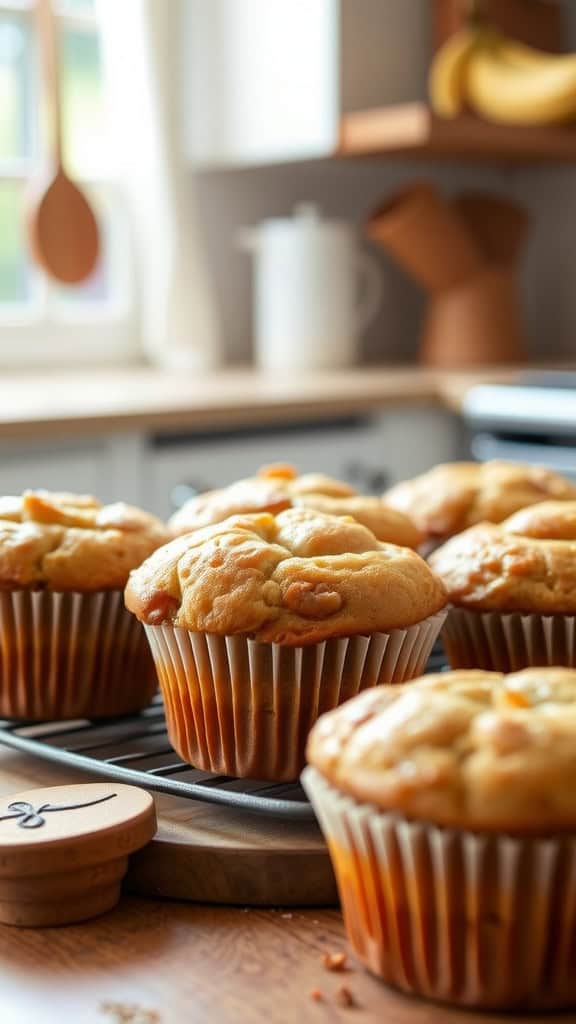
(41, 330)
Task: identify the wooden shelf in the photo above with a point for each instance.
(411, 129)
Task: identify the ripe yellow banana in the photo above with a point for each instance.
(447, 79)
(536, 92)
(514, 52)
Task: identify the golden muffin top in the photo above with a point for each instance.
(525, 564)
(469, 749)
(455, 495)
(275, 488)
(71, 542)
(295, 578)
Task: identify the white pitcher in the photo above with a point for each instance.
(314, 291)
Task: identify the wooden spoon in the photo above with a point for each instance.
(62, 227)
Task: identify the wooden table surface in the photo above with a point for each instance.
(34, 404)
(178, 963)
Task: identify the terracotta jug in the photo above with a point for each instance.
(476, 323)
(465, 254)
(426, 237)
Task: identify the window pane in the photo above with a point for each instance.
(75, 6)
(15, 281)
(15, 88)
(82, 100)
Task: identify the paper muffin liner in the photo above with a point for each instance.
(71, 655)
(485, 921)
(430, 545)
(243, 708)
(508, 642)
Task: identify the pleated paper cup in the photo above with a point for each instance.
(242, 708)
(484, 921)
(71, 655)
(508, 642)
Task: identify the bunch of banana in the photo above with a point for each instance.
(502, 79)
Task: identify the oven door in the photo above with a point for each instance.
(560, 457)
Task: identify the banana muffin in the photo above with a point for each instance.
(449, 807)
(455, 495)
(261, 622)
(68, 647)
(512, 588)
(276, 488)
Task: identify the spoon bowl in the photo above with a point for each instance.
(62, 228)
(63, 231)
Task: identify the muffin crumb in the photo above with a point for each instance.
(317, 995)
(335, 961)
(345, 997)
(121, 1013)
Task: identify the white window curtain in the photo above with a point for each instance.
(144, 86)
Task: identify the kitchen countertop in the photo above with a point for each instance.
(113, 400)
(190, 964)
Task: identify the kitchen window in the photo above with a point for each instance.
(42, 322)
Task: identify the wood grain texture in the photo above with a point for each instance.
(209, 871)
(63, 231)
(64, 850)
(62, 227)
(53, 404)
(207, 853)
(411, 129)
(80, 824)
(193, 965)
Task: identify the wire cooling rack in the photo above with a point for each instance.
(136, 750)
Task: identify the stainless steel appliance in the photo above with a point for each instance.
(531, 420)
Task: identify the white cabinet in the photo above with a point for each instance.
(109, 467)
(369, 452)
(267, 80)
(201, 463)
(159, 471)
(259, 79)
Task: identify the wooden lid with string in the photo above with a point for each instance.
(64, 850)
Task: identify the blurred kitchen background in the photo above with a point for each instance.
(206, 341)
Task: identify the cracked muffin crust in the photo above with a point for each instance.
(296, 578)
(65, 542)
(525, 564)
(456, 495)
(467, 749)
(549, 520)
(278, 487)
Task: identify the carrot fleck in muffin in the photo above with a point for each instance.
(259, 623)
(68, 649)
(449, 806)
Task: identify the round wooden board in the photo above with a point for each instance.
(219, 855)
(64, 850)
(208, 853)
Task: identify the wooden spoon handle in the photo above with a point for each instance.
(47, 33)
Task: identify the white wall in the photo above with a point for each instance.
(231, 199)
